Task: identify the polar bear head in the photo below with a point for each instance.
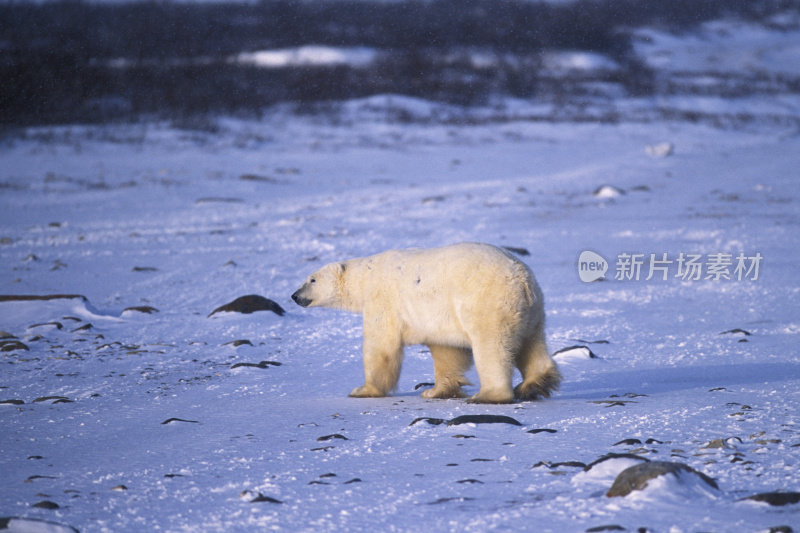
(323, 288)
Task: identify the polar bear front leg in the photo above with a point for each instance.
(449, 365)
(383, 357)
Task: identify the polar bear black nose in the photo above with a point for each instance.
(300, 300)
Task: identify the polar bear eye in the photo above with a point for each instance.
(312, 280)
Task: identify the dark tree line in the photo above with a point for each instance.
(56, 57)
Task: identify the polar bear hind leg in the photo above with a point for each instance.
(493, 361)
(540, 375)
(449, 365)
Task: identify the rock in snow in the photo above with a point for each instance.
(608, 191)
(574, 353)
(15, 524)
(776, 499)
(638, 477)
(249, 304)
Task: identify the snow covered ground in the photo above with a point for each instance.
(119, 419)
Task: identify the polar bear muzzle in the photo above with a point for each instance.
(299, 299)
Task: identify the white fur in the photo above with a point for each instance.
(465, 302)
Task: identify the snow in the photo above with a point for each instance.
(140, 423)
(310, 55)
(577, 60)
(726, 46)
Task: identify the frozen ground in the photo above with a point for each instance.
(121, 420)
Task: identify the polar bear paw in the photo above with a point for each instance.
(443, 392)
(366, 391)
(493, 397)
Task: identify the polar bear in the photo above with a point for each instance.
(465, 302)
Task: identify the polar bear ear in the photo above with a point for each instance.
(342, 268)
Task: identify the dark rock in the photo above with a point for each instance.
(541, 430)
(483, 419)
(460, 436)
(260, 364)
(35, 477)
(4, 335)
(322, 448)
(612, 403)
(238, 342)
(776, 499)
(48, 398)
(420, 385)
(214, 199)
(354, 480)
(735, 331)
(144, 269)
(258, 178)
(12, 401)
(611, 527)
(584, 349)
(470, 481)
(637, 477)
(453, 499)
(519, 251)
(15, 523)
(628, 442)
(571, 464)
(781, 529)
(85, 327)
(729, 442)
(250, 304)
(146, 309)
(433, 199)
(260, 498)
(10, 346)
(46, 504)
(468, 419)
(35, 297)
(429, 420)
(629, 395)
(58, 325)
(615, 456)
(171, 420)
(333, 436)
